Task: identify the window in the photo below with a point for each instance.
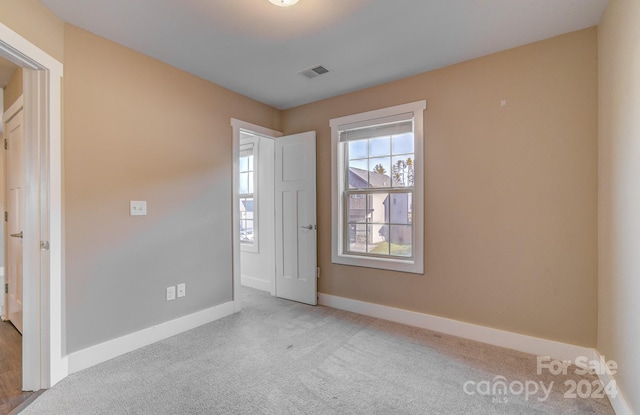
(378, 188)
(248, 202)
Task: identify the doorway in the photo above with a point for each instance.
(253, 240)
(274, 213)
(257, 211)
(11, 394)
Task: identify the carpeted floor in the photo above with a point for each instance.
(281, 357)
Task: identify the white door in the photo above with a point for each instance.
(15, 207)
(296, 260)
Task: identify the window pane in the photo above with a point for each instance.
(243, 209)
(357, 207)
(250, 163)
(402, 170)
(380, 170)
(244, 163)
(250, 182)
(376, 233)
(400, 211)
(357, 237)
(379, 147)
(248, 208)
(358, 149)
(378, 208)
(402, 144)
(358, 175)
(246, 231)
(244, 183)
(400, 240)
(377, 241)
(250, 230)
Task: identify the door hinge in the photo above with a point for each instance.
(317, 272)
(6, 144)
(6, 288)
(44, 245)
(6, 216)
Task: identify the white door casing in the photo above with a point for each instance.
(15, 209)
(296, 230)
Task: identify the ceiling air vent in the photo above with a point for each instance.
(313, 72)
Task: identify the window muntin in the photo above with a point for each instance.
(246, 184)
(378, 189)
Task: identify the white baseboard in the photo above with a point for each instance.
(102, 352)
(619, 403)
(256, 283)
(501, 338)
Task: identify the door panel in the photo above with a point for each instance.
(15, 208)
(289, 236)
(296, 256)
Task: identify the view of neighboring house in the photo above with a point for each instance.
(382, 212)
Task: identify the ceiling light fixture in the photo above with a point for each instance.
(284, 3)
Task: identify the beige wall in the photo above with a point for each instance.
(13, 90)
(510, 191)
(138, 129)
(33, 21)
(619, 194)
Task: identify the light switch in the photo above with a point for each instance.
(137, 208)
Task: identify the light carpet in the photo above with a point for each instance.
(282, 357)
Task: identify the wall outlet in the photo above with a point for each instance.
(171, 293)
(182, 290)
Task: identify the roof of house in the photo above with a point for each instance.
(374, 179)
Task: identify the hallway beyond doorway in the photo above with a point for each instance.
(11, 395)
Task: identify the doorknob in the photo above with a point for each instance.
(16, 235)
(309, 227)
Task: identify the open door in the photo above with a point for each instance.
(295, 206)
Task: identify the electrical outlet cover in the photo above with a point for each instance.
(171, 293)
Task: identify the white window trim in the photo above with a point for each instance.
(252, 142)
(415, 264)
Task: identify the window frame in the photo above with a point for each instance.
(339, 170)
(249, 141)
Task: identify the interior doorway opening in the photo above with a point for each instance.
(11, 89)
(257, 211)
(253, 207)
(274, 213)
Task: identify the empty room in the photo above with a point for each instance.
(320, 207)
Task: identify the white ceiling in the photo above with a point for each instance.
(257, 49)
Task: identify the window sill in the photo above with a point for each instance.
(245, 247)
(412, 266)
